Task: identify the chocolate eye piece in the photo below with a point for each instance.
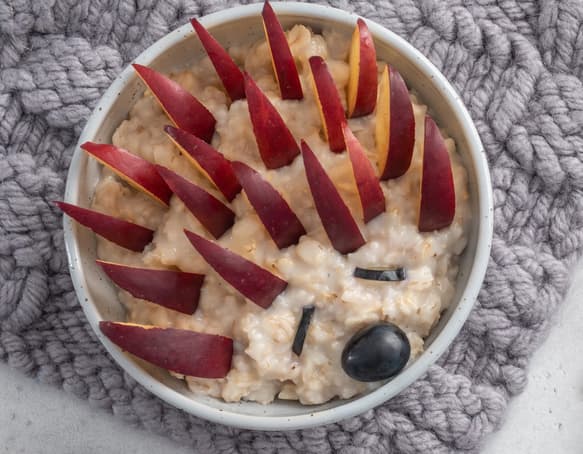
(392, 275)
(302, 331)
(377, 352)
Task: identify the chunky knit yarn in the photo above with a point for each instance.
(517, 64)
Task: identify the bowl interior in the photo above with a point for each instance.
(181, 48)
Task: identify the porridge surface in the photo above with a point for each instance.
(264, 366)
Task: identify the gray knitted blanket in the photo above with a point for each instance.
(519, 68)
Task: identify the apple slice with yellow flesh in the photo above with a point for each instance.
(213, 214)
(276, 143)
(278, 218)
(253, 282)
(226, 68)
(336, 218)
(437, 206)
(209, 161)
(282, 59)
(176, 290)
(138, 172)
(331, 110)
(370, 192)
(182, 108)
(123, 233)
(395, 125)
(362, 80)
(178, 350)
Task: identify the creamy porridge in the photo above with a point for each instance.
(263, 365)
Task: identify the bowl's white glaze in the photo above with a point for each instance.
(180, 48)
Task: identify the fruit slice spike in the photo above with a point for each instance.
(174, 290)
(437, 206)
(252, 281)
(370, 192)
(213, 214)
(209, 161)
(278, 218)
(276, 143)
(135, 170)
(228, 71)
(182, 351)
(395, 125)
(182, 108)
(123, 233)
(337, 220)
(362, 81)
(331, 110)
(282, 59)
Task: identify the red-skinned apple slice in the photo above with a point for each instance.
(176, 290)
(182, 108)
(276, 143)
(362, 81)
(278, 218)
(123, 233)
(331, 110)
(395, 125)
(182, 351)
(336, 218)
(255, 283)
(209, 161)
(135, 170)
(282, 59)
(370, 192)
(213, 214)
(228, 71)
(437, 205)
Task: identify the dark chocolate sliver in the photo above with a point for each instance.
(302, 331)
(397, 274)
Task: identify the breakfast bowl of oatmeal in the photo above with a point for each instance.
(279, 216)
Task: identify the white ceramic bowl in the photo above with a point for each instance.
(181, 48)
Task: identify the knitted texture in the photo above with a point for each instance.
(519, 68)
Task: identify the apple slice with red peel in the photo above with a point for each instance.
(182, 108)
(178, 350)
(437, 206)
(123, 233)
(331, 110)
(336, 218)
(228, 71)
(370, 192)
(395, 125)
(276, 143)
(176, 290)
(282, 59)
(138, 172)
(213, 214)
(362, 81)
(253, 282)
(278, 218)
(209, 161)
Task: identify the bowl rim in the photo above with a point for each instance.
(357, 405)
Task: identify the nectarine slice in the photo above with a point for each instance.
(276, 215)
(336, 218)
(253, 282)
(437, 205)
(182, 351)
(213, 214)
(176, 290)
(284, 66)
(123, 233)
(370, 192)
(395, 125)
(182, 108)
(362, 81)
